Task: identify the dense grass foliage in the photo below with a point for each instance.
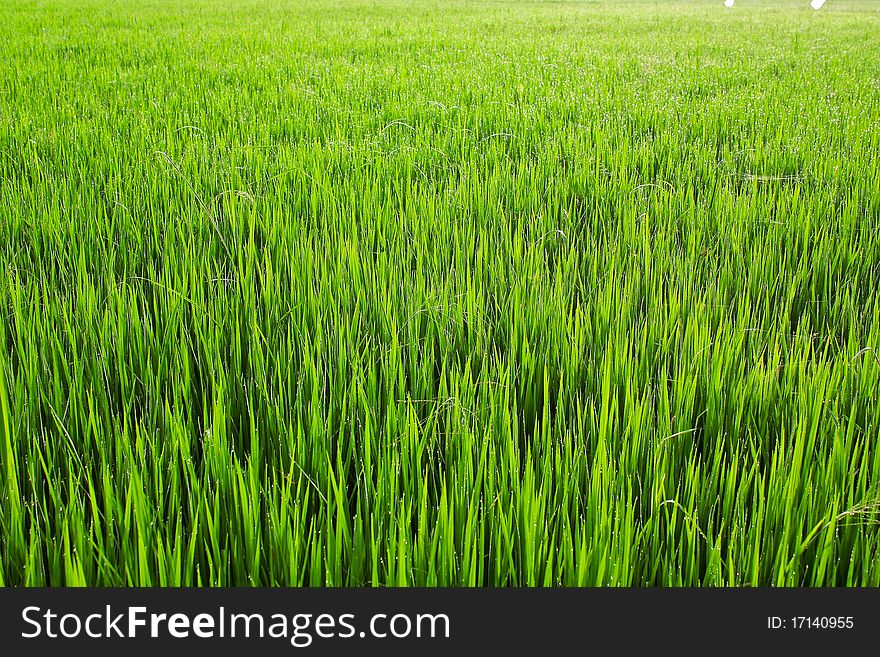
(453, 293)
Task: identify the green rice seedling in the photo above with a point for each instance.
(395, 293)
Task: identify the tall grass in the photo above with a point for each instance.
(420, 293)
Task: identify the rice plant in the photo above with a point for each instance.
(405, 292)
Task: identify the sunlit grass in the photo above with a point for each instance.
(454, 293)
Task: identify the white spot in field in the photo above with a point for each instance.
(728, 3)
(817, 4)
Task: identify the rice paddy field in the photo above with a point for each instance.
(409, 292)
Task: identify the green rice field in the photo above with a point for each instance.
(446, 293)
